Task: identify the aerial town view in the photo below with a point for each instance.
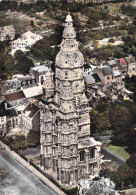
(68, 97)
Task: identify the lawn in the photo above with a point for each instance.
(119, 151)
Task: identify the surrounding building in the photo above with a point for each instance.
(26, 82)
(88, 68)
(30, 118)
(7, 33)
(3, 119)
(122, 66)
(15, 99)
(17, 83)
(39, 73)
(103, 186)
(25, 41)
(131, 65)
(105, 74)
(66, 145)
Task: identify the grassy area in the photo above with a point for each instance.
(119, 151)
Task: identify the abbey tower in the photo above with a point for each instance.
(66, 145)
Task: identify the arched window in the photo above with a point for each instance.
(92, 153)
(82, 156)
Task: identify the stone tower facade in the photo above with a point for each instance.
(66, 145)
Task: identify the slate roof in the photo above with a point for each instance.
(130, 59)
(96, 77)
(92, 78)
(31, 109)
(12, 112)
(3, 111)
(86, 66)
(106, 70)
(112, 63)
(89, 79)
(15, 96)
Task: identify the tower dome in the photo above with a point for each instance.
(69, 55)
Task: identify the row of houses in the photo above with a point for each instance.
(105, 79)
(35, 78)
(19, 110)
(126, 65)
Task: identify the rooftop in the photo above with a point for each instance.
(3, 111)
(33, 91)
(88, 142)
(122, 62)
(117, 73)
(92, 78)
(130, 59)
(12, 112)
(40, 68)
(31, 110)
(106, 70)
(112, 63)
(14, 96)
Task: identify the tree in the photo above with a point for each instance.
(33, 138)
(131, 162)
(19, 142)
(95, 44)
(120, 118)
(131, 142)
(23, 62)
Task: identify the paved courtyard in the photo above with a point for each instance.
(17, 180)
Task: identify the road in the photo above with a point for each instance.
(17, 180)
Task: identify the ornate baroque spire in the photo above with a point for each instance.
(69, 55)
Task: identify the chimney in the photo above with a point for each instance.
(6, 106)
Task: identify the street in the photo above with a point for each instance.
(17, 180)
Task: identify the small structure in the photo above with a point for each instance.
(25, 41)
(113, 64)
(7, 33)
(3, 119)
(31, 118)
(33, 91)
(39, 73)
(88, 68)
(117, 75)
(103, 186)
(122, 65)
(17, 83)
(15, 99)
(131, 65)
(105, 74)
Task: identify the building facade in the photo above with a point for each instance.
(66, 145)
(7, 33)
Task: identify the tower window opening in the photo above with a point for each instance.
(82, 156)
(92, 153)
(66, 75)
